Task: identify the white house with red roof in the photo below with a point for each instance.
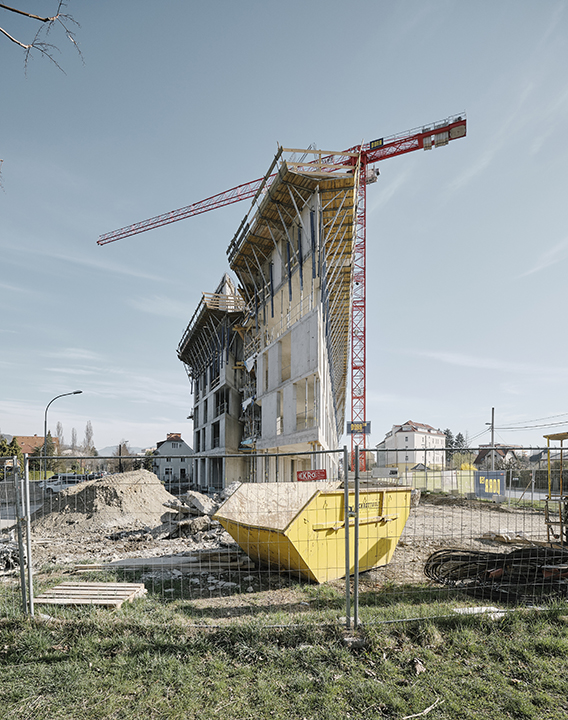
(412, 445)
(171, 462)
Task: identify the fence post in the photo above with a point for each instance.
(356, 540)
(28, 534)
(347, 520)
(19, 518)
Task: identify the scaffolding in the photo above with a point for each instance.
(556, 504)
(211, 333)
(302, 219)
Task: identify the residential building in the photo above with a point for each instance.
(412, 444)
(29, 444)
(170, 460)
(497, 455)
(268, 362)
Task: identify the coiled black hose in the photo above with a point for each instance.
(510, 576)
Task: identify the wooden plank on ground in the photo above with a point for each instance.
(173, 563)
(91, 593)
(186, 564)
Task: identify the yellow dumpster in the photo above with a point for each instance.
(300, 527)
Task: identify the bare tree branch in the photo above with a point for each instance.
(27, 14)
(47, 49)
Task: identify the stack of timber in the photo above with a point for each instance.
(91, 593)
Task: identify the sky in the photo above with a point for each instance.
(172, 102)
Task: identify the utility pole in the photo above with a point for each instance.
(492, 439)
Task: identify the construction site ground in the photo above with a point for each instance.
(123, 523)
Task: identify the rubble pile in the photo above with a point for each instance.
(127, 515)
(191, 514)
(125, 501)
(9, 555)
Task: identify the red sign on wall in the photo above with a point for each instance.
(304, 475)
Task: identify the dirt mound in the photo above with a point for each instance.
(130, 500)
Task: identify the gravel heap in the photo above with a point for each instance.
(126, 501)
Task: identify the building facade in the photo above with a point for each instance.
(170, 461)
(497, 456)
(29, 444)
(412, 444)
(268, 357)
(212, 352)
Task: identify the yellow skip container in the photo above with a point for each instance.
(301, 526)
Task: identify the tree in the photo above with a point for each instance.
(9, 450)
(14, 449)
(148, 462)
(60, 437)
(458, 456)
(121, 452)
(459, 442)
(450, 443)
(73, 440)
(88, 446)
(49, 452)
(4, 452)
(61, 20)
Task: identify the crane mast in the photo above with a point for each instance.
(423, 138)
(435, 135)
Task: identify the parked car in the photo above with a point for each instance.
(61, 481)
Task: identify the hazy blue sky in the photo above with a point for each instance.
(178, 100)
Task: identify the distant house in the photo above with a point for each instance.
(412, 444)
(29, 444)
(489, 455)
(171, 462)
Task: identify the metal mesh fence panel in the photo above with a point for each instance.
(477, 536)
(92, 523)
(12, 547)
(423, 538)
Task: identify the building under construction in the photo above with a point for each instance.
(268, 359)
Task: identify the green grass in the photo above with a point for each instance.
(149, 660)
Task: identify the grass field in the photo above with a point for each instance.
(148, 660)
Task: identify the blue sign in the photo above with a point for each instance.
(489, 483)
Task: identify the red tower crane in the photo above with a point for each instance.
(434, 135)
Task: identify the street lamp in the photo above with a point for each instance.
(75, 392)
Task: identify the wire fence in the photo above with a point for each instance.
(284, 538)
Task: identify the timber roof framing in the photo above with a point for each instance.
(281, 199)
(276, 209)
(276, 214)
(209, 330)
